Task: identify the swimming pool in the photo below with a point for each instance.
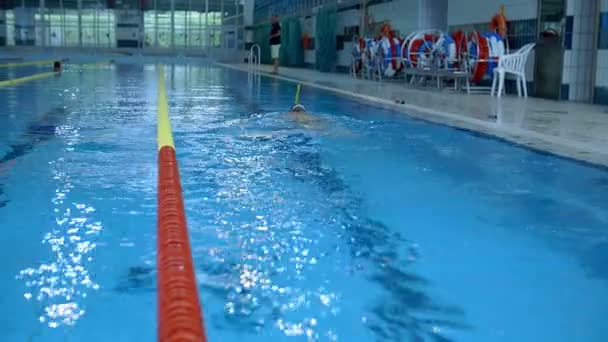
(369, 225)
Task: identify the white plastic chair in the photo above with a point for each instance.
(514, 63)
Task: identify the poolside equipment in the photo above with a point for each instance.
(260, 37)
(515, 64)
(484, 52)
(479, 54)
(497, 49)
(420, 49)
(371, 59)
(254, 59)
(389, 52)
(499, 23)
(356, 64)
(179, 312)
(447, 51)
(460, 41)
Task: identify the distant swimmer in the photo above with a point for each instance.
(304, 119)
(57, 67)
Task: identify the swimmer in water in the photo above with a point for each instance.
(57, 67)
(313, 122)
(298, 112)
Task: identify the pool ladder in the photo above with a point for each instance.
(254, 58)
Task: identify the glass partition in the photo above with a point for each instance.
(90, 23)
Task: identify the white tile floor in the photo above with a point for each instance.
(573, 130)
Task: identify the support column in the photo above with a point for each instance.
(207, 27)
(44, 23)
(173, 24)
(155, 24)
(582, 46)
(80, 23)
(128, 21)
(236, 26)
(2, 28)
(222, 36)
(433, 14)
(248, 7)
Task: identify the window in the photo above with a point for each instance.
(10, 28)
(63, 24)
(150, 29)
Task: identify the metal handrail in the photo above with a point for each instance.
(255, 58)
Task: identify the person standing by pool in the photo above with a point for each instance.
(275, 42)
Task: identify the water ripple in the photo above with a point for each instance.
(61, 283)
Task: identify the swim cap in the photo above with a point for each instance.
(297, 108)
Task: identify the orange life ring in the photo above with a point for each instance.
(499, 24)
(306, 41)
(483, 54)
(460, 38)
(386, 30)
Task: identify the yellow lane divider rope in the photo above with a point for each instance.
(298, 94)
(20, 80)
(19, 64)
(16, 81)
(165, 138)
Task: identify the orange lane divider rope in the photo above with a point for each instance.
(179, 311)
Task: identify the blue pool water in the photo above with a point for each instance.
(363, 225)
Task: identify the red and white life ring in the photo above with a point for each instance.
(460, 39)
(390, 47)
(421, 45)
(479, 54)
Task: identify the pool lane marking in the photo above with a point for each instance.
(16, 81)
(47, 61)
(165, 137)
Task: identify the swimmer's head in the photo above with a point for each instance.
(57, 66)
(297, 108)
